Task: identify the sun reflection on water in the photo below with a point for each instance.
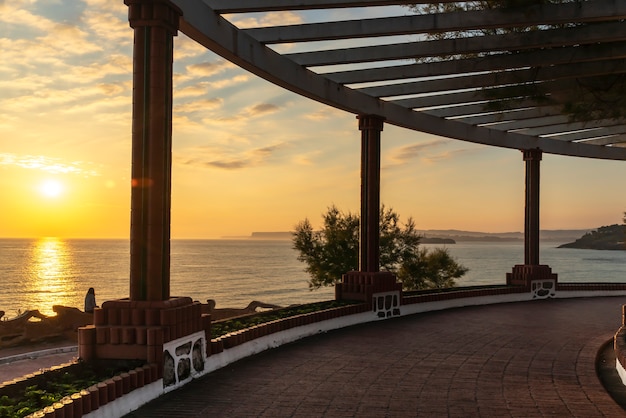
(51, 275)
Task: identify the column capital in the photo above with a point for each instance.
(153, 13)
(532, 154)
(371, 122)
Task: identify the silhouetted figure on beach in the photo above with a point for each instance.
(90, 300)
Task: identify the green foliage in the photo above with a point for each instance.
(334, 250)
(582, 99)
(58, 385)
(223, 327)
(330, 252)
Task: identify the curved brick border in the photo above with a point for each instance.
(242, 336)
(95, 396)
(619, 346)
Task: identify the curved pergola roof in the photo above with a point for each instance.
(497, 84)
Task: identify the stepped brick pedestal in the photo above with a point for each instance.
(378, 289)
(125, 329)
(538, 279)
(362, 285)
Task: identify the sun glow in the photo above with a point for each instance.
(51, 188)
(50, 268)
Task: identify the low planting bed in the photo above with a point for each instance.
(225, 326)
(36, 391)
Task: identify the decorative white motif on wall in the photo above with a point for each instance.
(543, 289)
(183, 359)
(386, 304)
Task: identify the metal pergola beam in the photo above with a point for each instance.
(550, 14)
(490, 85)
(551, 38)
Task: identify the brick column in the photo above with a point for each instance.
(369, 240)
(141, 326)
(531, 218)
(155, 23)
(369, 284)
(531, 270)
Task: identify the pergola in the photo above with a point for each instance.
(390, 67)
(534, 76)
(540, 78)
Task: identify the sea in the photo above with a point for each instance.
(41, 273)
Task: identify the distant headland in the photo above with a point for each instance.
(610, 237)
(451, 236)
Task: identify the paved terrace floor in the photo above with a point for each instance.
(530, 359)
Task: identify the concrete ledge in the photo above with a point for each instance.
(36, 354)
(126, 404)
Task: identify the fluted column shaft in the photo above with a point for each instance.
(531, 218)
(369, 239)
(155, 23)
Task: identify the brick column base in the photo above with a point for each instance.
(361, 285)
(524, 275)
(125, 329)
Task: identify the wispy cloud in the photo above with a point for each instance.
(228, 159)
(206, 87)
(448, 155)
(323, 114)
(262, 109)
(250, 112)
(204, 105)
(306, 159)
(208, 69)
(185, 48)
(47, 164)
(267, 19)
(414, 151)
(426, 152)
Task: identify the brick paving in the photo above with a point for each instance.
(530, 359)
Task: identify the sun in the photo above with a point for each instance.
(51, 188)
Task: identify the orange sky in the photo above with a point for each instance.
(248, 156)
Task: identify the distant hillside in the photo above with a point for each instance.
(558, 235)
(604, 238)
(450, 236)
(287, 236)
(270, 235)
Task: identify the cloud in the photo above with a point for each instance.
(214, 157)
(448, 155)
(185, 47)
(262, 109)
(410, 152)
(227, 82)
(258, 110)
(203, 105)
(306, 159)
(281, 18)
(44, 99)
(425, 152)
(111, 89)
(47, 164)
(69, 40)
(208, 69)
(267, 19)
(205, 87)
(16, 13)
(109, 24)
(322, 114)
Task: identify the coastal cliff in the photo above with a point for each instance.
(604, 238)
